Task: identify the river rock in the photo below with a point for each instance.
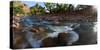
(63, 38)
(49, 42)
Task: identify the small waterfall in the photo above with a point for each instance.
(59, 29)
(33, 41)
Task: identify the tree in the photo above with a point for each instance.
(51, 7)
(37, 9)
(56, 7)
(17, 10)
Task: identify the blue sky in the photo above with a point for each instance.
(32, 3)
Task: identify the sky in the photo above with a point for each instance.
(32, 3)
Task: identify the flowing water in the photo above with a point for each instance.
(80, 33)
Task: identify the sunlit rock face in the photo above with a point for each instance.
(24, 8)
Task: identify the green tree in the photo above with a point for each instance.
(56, 7)
(37, 10)
(51, 7)
(17, 10)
